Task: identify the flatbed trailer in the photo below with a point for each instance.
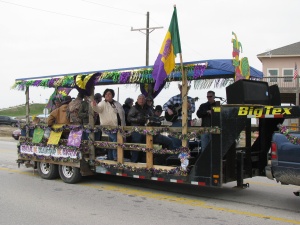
(221, 162)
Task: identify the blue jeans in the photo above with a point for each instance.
(98, 135)
(136, 138)
(177, 143)
(165, 141)
(85, 136)
(112, 153)
(23, 132)
(205, 139)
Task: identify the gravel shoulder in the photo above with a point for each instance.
(5, 133)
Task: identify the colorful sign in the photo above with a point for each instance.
(55, 135)
(75, 137)
(50, 151)
(38, 135)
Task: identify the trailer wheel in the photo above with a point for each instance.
(47, 170)
(69, 174)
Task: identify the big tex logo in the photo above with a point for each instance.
(264, 112)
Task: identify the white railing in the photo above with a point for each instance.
(282, 82)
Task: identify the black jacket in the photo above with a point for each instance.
(126, 110)
(138, 115)
(202, 113)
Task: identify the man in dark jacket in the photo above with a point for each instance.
(204, 112)
(137, 116)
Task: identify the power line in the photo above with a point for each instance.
(95, 3)
(125, 10)
(88, 19)
(63, 14)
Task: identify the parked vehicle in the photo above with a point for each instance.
(16, 134)
(285, 158)
(7, 120)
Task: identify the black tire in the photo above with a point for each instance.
(69, 174)
(47, 170)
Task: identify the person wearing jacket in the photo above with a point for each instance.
(204, 112)
(59, 115)
(73, 110)
(137, 116)
(127, 106)
(111, 113)
(164, 141)
(98, 134)
(83, 114)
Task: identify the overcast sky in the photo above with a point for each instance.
(41, 38)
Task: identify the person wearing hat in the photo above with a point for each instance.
(158, 110)
(57, 103)
(165, 141)
(177, 100)
(156, 119)
(59, 115)
(169, 107)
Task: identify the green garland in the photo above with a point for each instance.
(124, 133)
(84, 147)
(137, 76)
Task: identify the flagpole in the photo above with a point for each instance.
(184, 93)
(165, 64)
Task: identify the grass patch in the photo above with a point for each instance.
(35, 109)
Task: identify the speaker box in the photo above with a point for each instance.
(275, 98)
(248, 92)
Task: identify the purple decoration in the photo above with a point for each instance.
(52, 81)
(159, 73)
(145, 92)
(75, 137)
(97, 78)
(36, 83)
(198, 71)
(21, 87)
(124, 77)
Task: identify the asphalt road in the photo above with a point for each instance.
(25, 198)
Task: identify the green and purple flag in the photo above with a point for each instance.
(165, 62)
(60, 93)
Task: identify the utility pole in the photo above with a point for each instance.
(148, 31)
